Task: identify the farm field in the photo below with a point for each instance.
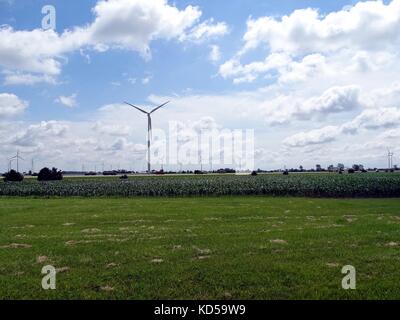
(249, 247)
(309, 185)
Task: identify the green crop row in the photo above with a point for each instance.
(310, 185)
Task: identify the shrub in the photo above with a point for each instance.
(286, 173)
(254, 173)
(350, 171)
(49, 175)
(13, 176)
(124, 177)
(109, 173)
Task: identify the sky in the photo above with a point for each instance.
(317, 81)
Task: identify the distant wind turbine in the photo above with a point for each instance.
(149, 130)
(16, 157)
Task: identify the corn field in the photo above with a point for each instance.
(309, 185)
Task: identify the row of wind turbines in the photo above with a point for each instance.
(17, 157)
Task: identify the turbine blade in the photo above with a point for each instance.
(136, 108)
(159, 107)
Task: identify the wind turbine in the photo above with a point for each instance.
(149, 129)
(17, 157)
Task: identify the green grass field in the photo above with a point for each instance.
(199, 248)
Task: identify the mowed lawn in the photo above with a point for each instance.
(199, 248)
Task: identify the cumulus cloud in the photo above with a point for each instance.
(233, 67)
(313, 137)
(67, 101)
(359, 38)
(35, 133)
(369, 25)
(283, 109)
(121, 24)
(134, 24)
(369, 119)
(205, 31)
(372, 119)
(11, 105)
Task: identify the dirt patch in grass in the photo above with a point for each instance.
(91, 230)
(62, 269)
(157, 261)
(42, 259)
(16, 246)
(278, 241)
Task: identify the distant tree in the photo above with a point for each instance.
(340, 167)
(254, 173)
(301, 168)
(351, 170)
(13, 176)
(286, 172)
(356, 167)
(49, 175)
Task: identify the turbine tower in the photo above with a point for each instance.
(149, 130)
(390, 159)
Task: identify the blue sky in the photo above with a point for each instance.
(169, 67)
(285, 87)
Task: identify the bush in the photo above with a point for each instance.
(109, 173)
(254, 173)
(351, 171)
(286, 173)
(49, 175)
(13, 176)
(124, 177)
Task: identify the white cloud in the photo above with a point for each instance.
(11, 105)
(215, 53)
(286, 108)
(133, 24)
(313, 137)
(121, 24)
(111, 129)
(147, 79)
(233, 67)
(368, 25)
(372, 119)
(67, 101)
(17, 78)
(37, 133)
(355, 40)
(205, 31)
(369, 119)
